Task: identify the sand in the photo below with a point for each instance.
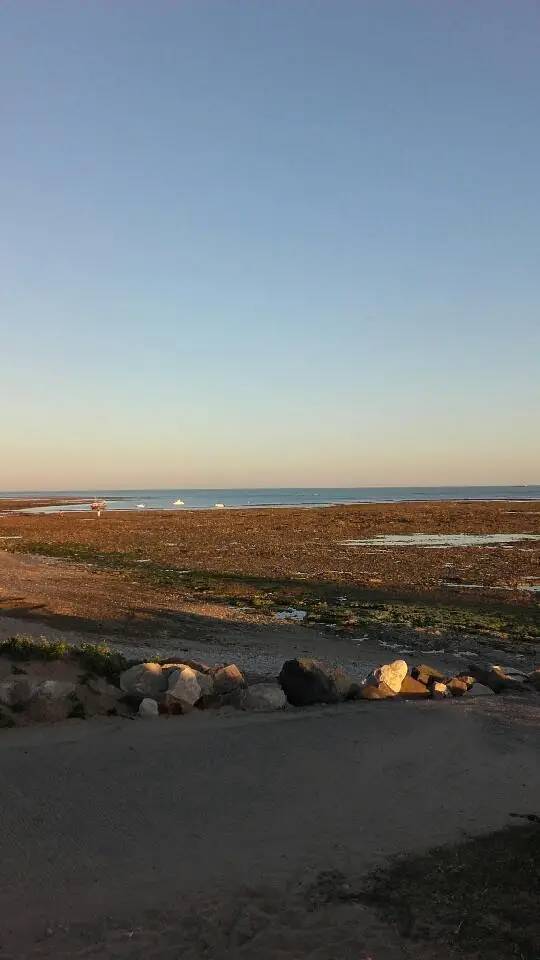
(204, 837)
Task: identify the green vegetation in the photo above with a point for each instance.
(320, 600)
(97, 659)
(479, 898)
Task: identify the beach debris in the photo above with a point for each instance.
(305, 681)
(144, 680)
(148, 708)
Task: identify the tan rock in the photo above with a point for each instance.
(457, 687)
(148, 708)
(413, 688)
(228, 679)
(144, 680)
(376, 692)
(184, 686)
(391, 675)
(439, 690)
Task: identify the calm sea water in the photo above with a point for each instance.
(277, 497)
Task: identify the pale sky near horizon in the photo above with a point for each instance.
(269, 242)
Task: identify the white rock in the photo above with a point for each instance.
(56, 689)
(184, 686)
(148, 708)
(264, 697)
(391, 674)
(16, 691)
(144, 680)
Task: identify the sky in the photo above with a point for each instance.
(269, 243)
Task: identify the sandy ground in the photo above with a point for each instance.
(62, 600)
(201, 837)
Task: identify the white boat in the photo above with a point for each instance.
(219, 506)
(141, 506)
(178, 503)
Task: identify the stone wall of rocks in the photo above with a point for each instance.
(149, 690)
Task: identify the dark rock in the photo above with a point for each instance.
(427, 675)
(495, 678)
(306, 681)
(534, 679)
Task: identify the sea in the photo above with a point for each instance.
(205, 499)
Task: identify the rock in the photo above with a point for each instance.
(144, 680)
(457, 687)
(413, 688)
(227, 679)
(263, 697)
(306, 681)
(439, 690)
(391, 674)
(148, 708)
(45, 709)
(376, 692)
(56, 689)
(184, 689)
(427, 675)
(194, 664)
(495, 678)
(534, 679)
(17, 691)
(103, 688)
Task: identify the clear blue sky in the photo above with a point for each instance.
(269, 242)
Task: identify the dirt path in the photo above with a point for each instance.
(198, 837)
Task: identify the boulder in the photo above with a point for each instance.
(534, 679)
(376, 692)
(184, 689)
(263, 697)
(457, 687)
(144, 680)
(227, 679)
(17, 691)
(45, 709)
(439, 690)
(306, 681)
(56, 689)
(495, 678)
(413, 688)
(391, 675)
(194, 664)
(427, 675)
(148, 708)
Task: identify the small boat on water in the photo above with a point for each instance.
(219, 506)
(141, 506)
(178, 503)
